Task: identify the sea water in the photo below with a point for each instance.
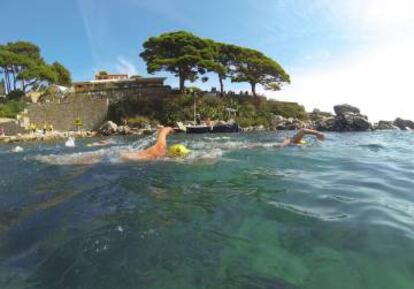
(237, 213)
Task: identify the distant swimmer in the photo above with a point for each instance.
(158, 150)
(297, 139)
(100, 143)
(70, 143)
(18, 149)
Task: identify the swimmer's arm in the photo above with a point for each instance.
(305, 131)
(283, 144)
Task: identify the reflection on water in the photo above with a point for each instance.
(337, 215)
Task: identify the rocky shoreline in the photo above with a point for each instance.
(49, 136)
(347, 118)
(107, 129)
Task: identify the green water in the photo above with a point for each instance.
(336, 215)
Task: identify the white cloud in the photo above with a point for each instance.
(124, 65)
(380, 15)
(379, 82)
(375, 75)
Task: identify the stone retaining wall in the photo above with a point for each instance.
(12, 127)
(91, 111)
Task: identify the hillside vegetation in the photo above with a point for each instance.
(250, 111)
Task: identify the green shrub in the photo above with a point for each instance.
(15, 94)
(141, 122)
(169, 110)
(77, 123)
(11, 108)
(245, 122)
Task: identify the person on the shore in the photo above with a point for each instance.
(157, 151)
(210, 123)
(32, 128)
(2, 133)
(198, 119)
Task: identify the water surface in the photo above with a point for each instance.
(332, 215)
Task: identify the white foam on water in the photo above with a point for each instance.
(207, 149)
(107, 154)
(204, 154)
(72, 159)
(217, 138)
(203, 145)
(143, 143)
(17, 149)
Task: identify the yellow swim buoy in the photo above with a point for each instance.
(178, 150)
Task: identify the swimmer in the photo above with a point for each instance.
(297, 139)
(157, 151)
(70, 143)
(100, 143)
(18, 149)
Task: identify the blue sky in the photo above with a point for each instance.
(355, 51)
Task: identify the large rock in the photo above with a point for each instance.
(352, 122)
(345, 108)
(404, 124)
(317, 115)
(124, 130)
(108, 128)
(348, 118)
(281, 123)
(384, 125)
(326, 124)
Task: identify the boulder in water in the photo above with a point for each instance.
(326, 124)
(345, 109)
(348, 118)
(281, 123)
(108, 128)
(124, 130)
(384, 125)
(352, 122)
(404, 124)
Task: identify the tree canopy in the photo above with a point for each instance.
(224, 57)
(189, 56)
(254, 67)
(62, 74)
(23, 67)
(181, 53)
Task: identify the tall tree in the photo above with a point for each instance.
(25, 55)
(224, 56)
(33, 76)
(63, 75)
(25, 48)
(255, 68)
(4, 66)
(22, 61)
(181, 53)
